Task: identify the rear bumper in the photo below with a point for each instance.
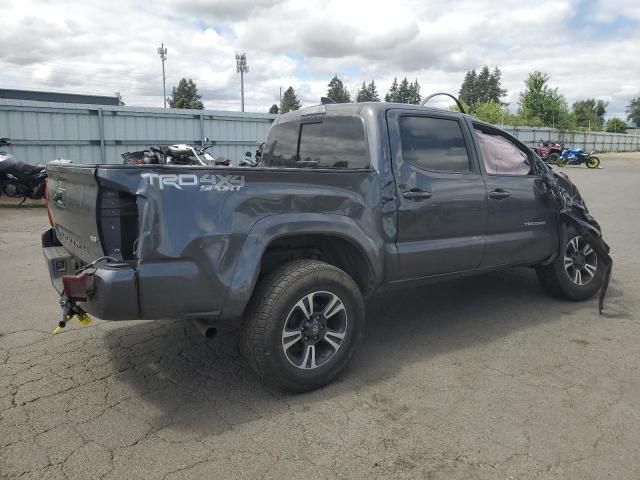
(115, 297)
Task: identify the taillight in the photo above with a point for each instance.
(46, 200)
(78, 287)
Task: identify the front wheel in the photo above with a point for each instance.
(561, 162)
(577, 273)
(593, 162)
(303, 324)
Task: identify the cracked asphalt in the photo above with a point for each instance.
(476, 378)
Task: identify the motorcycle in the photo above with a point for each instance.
(19, 179)
(247, 161)
(578, 157)
(179, 154)
(548, 151)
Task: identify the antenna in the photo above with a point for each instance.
(460, 107)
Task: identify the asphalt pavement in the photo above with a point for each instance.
(483, 377)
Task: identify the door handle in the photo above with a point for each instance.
(416, 194)
(499, 194)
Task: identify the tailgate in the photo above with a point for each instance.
(72, 194)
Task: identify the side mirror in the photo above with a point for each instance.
(247, 154)
(206, 140)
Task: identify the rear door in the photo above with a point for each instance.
(442, 204)
(523, 222)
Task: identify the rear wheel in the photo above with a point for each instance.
(576, 274)
(593, 162)
(303, 325)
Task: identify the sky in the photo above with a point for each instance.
(589, 48)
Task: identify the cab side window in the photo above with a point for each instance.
(501, 156)
(435, 144)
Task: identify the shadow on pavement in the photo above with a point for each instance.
(182, 382)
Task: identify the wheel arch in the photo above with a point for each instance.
(335, 239)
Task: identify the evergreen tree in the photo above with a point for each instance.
(363, 93)
(414, 93)
(404, 91)
(467, 92)
(185, 95)
(392, 95)
(482, 87)
(274, 109)
(337, 91)
(373, 92)
(290, 101)
(495, 90)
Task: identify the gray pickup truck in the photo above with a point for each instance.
(348, 199)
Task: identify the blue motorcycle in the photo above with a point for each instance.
(578, 157)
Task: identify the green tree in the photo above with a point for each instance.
(392, 95)
(633, 110)
(481, 87)
(490, 112)
(404, 91)
(368, 93)
(337, 91)
(542, 105)
(414, 93)
(274, 109)
(290, 101)
(589, 113)
(467, 93)
(616, 125)
(185, 95)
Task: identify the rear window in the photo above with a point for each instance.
(331, 142)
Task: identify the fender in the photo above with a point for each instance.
(270, 228)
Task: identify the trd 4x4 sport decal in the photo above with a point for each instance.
(205, 183)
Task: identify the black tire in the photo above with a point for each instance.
(553, 158)
(561, 282)
(561, 162)
(593, 162)
(273, 308)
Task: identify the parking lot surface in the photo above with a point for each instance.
(484, 377)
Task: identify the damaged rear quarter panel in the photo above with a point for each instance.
(190, 237)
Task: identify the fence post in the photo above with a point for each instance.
(103, 153)
(202, 130)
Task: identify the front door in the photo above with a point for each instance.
(523, 221)
(442, 199)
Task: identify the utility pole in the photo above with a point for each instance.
(163, 56)
(241, 68)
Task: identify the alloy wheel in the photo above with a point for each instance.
(580, 261)
(314, 330)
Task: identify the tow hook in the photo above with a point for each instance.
(70, 310)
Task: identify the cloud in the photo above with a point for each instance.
(92, 46)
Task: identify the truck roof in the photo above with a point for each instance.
(356, 109)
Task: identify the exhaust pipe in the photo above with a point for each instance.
(205, 328)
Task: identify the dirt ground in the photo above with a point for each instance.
(478, 378)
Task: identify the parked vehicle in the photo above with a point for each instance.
(19, 179)
(548, 151)
(578, 157)
(179, 154)
(349, 199)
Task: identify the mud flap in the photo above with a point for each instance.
(573, 210)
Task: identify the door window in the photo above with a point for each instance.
(435, 144)
(501, 156)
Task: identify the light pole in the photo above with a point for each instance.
(163, 56)
(241, 68)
